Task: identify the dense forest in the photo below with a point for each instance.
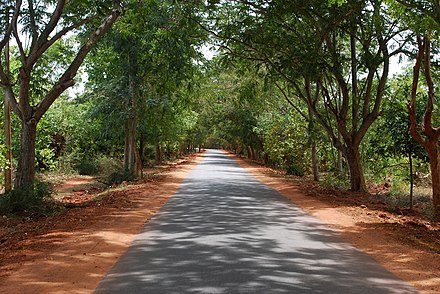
(343, 91)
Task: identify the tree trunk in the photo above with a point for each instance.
(434, 161)
(130, 123)
(315, 162)
(430, 142)
(339, 165)
(253, 153)
(139, 164)
(141, 154)
(26, 164)
(130, 145)
(7, 127)
(357, 180)
(158, 154)
(312, 142)
(249, 152)
(411, 179)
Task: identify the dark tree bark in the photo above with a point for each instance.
(411, 180)
(25, 175)
(315, 162)
(130, 122)
(130, 145)
(158, 154)
(357, 180)
(312, 141)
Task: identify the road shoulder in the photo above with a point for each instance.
(366, 230)
(75, 251)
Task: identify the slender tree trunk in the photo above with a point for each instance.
(7, 127)
(130, 145)
(249, 152)
(138, 161)
(339, 165)
(26, 164)
(411, 180)
(130, 124)
(430, 142)
(266, 159)
(254, 153)
(357, 180)
(315, 162)
(434, 162)
(312, 142)
(141, 154)
(158, 154)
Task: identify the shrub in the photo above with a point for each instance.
(333, 181)
(120, 176)
(87, 166)
(295, 170)
(32, 199)
(108, 165)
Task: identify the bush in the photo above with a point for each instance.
(32, 199)
(333, 181)
(108, 165)
(120, 176)
(295, 170)
(87, 166)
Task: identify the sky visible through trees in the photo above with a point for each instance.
(312, 87)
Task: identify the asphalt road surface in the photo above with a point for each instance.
(225, 232)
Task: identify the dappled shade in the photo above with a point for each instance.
(224, 232)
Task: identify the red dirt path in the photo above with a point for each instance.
(71, 252)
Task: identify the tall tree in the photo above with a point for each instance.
(147, 57)
(425, 22)
(6, 9)
(428, 135)
(41, 30)
(316, 47)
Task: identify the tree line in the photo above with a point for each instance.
(293, 80)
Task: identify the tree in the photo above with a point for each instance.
(7, 110)
(428, 135)
(88, 18)
(425, 24)
(315, 47)
(138, 72)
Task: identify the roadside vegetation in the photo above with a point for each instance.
(304, 87)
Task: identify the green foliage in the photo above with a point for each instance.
(421, 16)
(388, 144)
(335, 181)
(120, 176)
(231, 101)
(293, 169)
(3, 160)
(148, 59)
(285, 140)
(87, 166)
(33, 199)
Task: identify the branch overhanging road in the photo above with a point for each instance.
(225, 232)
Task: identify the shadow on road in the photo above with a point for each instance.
(224, 232)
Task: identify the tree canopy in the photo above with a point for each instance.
(301, 85)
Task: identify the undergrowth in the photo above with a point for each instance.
(32, 200)
(120, 176)
(335, 181)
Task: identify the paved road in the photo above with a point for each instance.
(225, 232)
